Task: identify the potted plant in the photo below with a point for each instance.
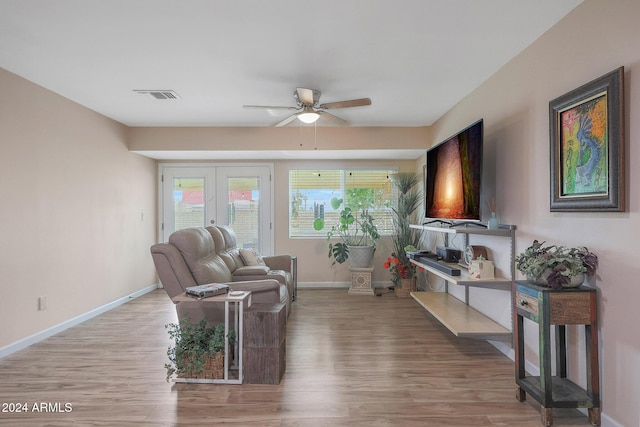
(556, 266)
(197, 350)
(405, 239)
(402, 274)
(356, 229)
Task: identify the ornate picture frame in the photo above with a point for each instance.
(587, 147)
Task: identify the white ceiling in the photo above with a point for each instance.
(414, 58)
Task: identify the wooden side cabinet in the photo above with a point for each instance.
(547, 307)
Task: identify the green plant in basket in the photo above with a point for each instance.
(192, 343)
(556, 265)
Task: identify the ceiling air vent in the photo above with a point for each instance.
(158, 94)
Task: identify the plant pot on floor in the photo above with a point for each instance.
(197, 350)
(406, 287)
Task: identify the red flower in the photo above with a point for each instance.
(398, 269)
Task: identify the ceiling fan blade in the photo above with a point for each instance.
(270, 107)
(360, 102)
(286, 121)
(335, 119)
(305, 96)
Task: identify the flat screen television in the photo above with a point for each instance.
(453, 177)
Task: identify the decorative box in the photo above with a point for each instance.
(481, 269)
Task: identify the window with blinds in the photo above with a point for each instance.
(310, 193)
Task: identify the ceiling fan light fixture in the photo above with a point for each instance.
(308, 116)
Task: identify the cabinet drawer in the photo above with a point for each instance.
(527, 303)
(570, 308)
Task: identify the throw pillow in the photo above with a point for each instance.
(251, 257)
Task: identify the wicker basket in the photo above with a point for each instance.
(408, 286)
(213, 368)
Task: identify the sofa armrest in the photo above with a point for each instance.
(278, 262)
(251, 270)
(262, 291)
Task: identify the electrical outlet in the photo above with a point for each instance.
(42, 303)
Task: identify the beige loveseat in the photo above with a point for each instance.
(197, 256)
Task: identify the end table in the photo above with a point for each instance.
(546, 307)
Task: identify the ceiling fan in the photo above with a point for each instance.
(308, 107)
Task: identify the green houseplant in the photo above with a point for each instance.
(354, 228)
(556, 266)
(404, 238)
(197, 350)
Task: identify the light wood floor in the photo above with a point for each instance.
(351, 361)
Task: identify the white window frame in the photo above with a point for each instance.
(303, 228)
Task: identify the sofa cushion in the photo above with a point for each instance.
(231, 261)
(251, 257)
(198, 250)
(235, 256)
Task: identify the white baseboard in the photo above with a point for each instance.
(534, 370)
(607, 421)
(337, 285)
(323, 285)
(30, 340)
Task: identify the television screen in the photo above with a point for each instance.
(453, 176)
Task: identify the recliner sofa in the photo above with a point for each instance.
(197, 256)
(275, 267)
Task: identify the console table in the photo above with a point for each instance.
(546, 307)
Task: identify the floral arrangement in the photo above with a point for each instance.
(557, 263)
(400, 270)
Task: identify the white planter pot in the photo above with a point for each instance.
(360, 256)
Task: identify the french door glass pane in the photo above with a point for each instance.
(188, 198)
(244, 210)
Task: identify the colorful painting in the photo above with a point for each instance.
(587, 146)
(583, 148)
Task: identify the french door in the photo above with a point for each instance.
(234, 195)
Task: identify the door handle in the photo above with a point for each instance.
(213, 221)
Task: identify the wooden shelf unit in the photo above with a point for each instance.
(464, 280)
(457, 315)
(461, 319)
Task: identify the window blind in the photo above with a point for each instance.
(311, 191)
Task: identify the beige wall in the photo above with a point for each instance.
(70, 222)
(597, 37)
(284, 138)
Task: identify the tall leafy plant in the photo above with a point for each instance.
(405, 237)
(354, 228)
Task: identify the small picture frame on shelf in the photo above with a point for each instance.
(587, 146)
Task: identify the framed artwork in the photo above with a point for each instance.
(587, 146)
